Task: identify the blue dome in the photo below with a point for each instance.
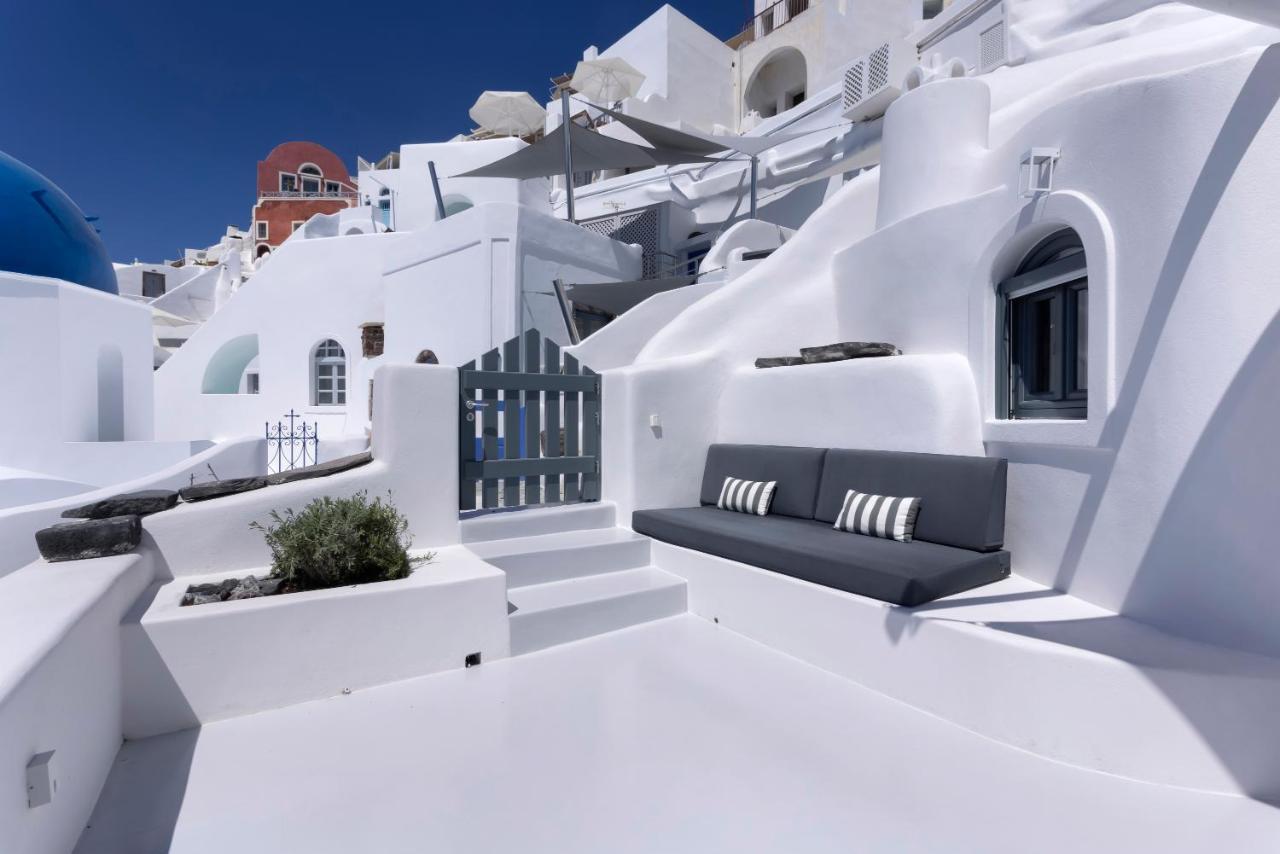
(44, 233)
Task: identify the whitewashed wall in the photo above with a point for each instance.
(1124, 509)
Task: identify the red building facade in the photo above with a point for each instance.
(296, 181)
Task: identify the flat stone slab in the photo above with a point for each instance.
(847, 350)
(90, 538)
(219, 488)
(322, 469)
(141, 503)
(779, 361)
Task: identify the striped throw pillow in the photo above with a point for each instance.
(878, 515)
(746, 496)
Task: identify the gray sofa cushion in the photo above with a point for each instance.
(962, 497)
(902, 573)
(797, 471)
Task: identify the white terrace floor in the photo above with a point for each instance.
(672, 736)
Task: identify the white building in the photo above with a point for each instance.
(1062, 213)
(352, 291)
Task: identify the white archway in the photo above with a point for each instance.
(777, 84)
(456, 204)
(226, 367)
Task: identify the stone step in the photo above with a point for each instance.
(571, 554)
(546, 615)
(535, 521)
(91, 538)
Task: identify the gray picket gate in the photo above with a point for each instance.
(529, 427)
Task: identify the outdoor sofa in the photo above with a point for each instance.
(959, 532)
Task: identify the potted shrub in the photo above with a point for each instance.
(336, 542)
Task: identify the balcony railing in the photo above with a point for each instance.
(773, 17)
(344, 195)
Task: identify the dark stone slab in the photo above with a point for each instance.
(219, 488)
(847, 350)
(90, 538)
(247, 589)
(130, 504)
(232, 589)
(322, 469)
(778, 361)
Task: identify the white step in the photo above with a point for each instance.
(563, 611)
(536, 521)
(572, 554)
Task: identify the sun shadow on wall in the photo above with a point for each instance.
(1253, 106)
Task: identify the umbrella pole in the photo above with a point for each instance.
(568, 152)
(435, 187)
(755, 162)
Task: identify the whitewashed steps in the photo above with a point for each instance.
(561, 611)
(537, 521)
(572, 554)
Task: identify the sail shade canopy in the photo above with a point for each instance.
(662, 136)
(592, 152)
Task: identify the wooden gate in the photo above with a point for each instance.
(529, 424)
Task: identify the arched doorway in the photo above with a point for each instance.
(223, 373)
(778, 83)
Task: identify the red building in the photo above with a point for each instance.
(297, 181)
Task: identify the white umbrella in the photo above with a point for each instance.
(609, 79)
(513, 113)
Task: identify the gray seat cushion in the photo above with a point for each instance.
(962, 497)
(797, 471)
(902, 573)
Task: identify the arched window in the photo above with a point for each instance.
(328, 374)
(310, 176)
(1044, 323)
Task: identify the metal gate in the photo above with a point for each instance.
(529, 425)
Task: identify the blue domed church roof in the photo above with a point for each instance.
(44, 233)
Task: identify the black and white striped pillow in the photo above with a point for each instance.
(747, 496)
(878, 515)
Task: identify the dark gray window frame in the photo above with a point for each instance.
(1054, 272)
(150, 279)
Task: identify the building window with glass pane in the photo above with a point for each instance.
(329, 374)
(1045, 333)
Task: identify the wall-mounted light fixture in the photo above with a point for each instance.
(1037, 171)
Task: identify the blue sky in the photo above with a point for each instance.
(153, 115)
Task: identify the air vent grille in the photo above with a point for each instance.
(878, 69)
(854, 84)
(992, 48)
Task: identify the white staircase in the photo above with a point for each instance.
(571, 574)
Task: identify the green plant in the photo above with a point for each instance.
(339, 541)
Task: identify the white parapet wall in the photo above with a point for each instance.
(231, 459)
(67, 682)
(415, 461)
(60, 690)
(187, 666)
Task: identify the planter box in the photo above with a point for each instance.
(184, 667)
